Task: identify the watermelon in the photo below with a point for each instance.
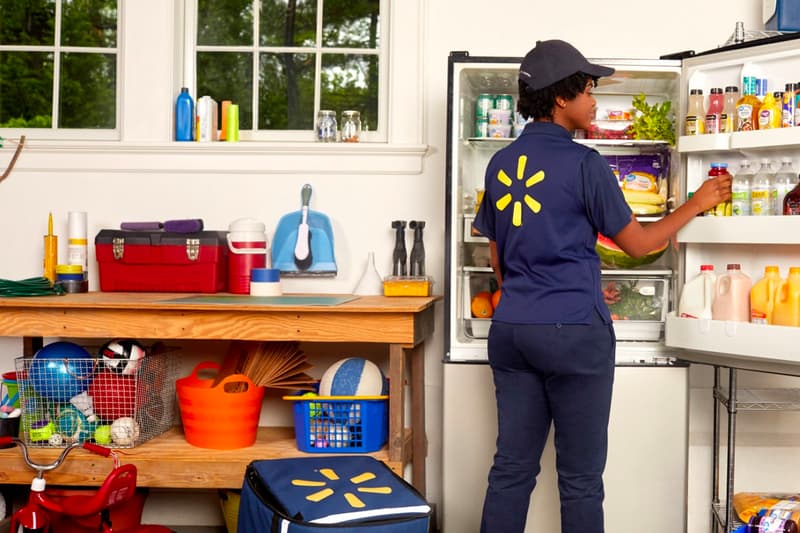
(612, 256)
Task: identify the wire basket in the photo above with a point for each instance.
(340, 424)
(82, 399)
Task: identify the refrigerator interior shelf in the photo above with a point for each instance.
(637, 273)
(494, 143)
(477, 328)
(762, 399)
(486, 270)
(752, 343)
(740, 140)
(742, 230)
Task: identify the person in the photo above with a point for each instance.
(551, 343)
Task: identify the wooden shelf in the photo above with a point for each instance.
(402, 323)
(169, 461)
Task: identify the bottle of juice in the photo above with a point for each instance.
(716, 105)
(698, 294)
(785, 180)
(722, 209)
(791, 202)
(762, 295)
(786, 310)
(787, 109)
(740, 189)
(695, 113)
(729, 111)
(761, 191)
(732, 295)
(770, 115)
(748, 106)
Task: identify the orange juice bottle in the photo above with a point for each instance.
(786, 311)
(748, 106)
(762, 296)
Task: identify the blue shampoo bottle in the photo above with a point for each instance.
(184, 116)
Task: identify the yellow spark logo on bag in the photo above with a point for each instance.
(507, 199)
(353, 500)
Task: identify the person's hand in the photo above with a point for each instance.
(712, 192)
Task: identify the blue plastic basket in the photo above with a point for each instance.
(340, 424)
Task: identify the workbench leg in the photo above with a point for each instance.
(396, 403)
(31, 345)
(419, 441)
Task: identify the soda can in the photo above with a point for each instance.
(481, 127)
(483, 104)
(504, 101)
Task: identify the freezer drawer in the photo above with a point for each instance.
(646, 471)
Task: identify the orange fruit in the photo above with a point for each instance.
(496, 298)
(481, 305)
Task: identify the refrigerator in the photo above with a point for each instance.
(648, 448)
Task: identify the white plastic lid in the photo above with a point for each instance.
(247, 225)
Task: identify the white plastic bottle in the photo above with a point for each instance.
(697, 295)
(785, 180)
(761, 190)
(740, 189)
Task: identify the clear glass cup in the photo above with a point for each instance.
(326, 126)
(351, 126)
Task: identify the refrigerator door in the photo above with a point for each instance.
(646, 470)
(751, 241)
(467, 270)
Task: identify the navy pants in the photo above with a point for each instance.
(550, 373)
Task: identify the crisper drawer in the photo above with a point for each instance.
(476, 280)
(638, 304)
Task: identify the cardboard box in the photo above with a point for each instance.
(159, 261)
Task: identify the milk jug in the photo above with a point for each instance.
(698, 294)
(762, 296)
(732, 295)
(786, 311)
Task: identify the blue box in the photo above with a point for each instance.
(334, 494)
(784, 17)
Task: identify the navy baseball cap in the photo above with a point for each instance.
(554, 60)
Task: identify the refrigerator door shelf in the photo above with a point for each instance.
(735, 344)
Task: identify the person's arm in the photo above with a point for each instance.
(637, 239)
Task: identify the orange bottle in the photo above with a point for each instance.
(748, 106)
(786, 311)
(762, 296)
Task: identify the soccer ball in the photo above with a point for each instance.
(123, 356)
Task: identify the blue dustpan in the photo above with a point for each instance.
(323, 262)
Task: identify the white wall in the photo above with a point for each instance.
(361, 193)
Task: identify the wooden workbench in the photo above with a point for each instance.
(403, 323)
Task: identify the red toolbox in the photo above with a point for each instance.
(159, 261)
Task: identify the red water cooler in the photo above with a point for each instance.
(247, 242)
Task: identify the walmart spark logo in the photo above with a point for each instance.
(507, 199)
(352, 499)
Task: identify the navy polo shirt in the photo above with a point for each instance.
(546, 198)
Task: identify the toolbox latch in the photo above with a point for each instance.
(118, 247)
(192, 249)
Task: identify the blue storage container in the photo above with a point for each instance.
(782, 15)
(336, 494)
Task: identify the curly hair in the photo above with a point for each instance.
(539, 104)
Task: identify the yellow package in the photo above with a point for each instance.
(748, 504)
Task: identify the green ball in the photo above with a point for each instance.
(102, 435)
(314, 409)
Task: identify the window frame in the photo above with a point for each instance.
(57, 49)
(191, 48)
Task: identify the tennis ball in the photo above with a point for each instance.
(314, 408)
(102, 435)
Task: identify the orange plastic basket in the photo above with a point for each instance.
(221, 417)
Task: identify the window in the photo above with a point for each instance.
(283, 60)
(58, 64)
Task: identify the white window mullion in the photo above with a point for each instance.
(56, 65)
(256, 59)
(318, 63)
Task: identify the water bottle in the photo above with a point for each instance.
(740, 189)
(184, 116)
(785, 180)
(761, 191)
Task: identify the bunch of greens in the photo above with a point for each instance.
(653, 122)
(630, 304)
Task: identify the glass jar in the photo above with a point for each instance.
(326, 126)
(351, 126)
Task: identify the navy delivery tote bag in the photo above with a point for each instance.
(336, 494)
